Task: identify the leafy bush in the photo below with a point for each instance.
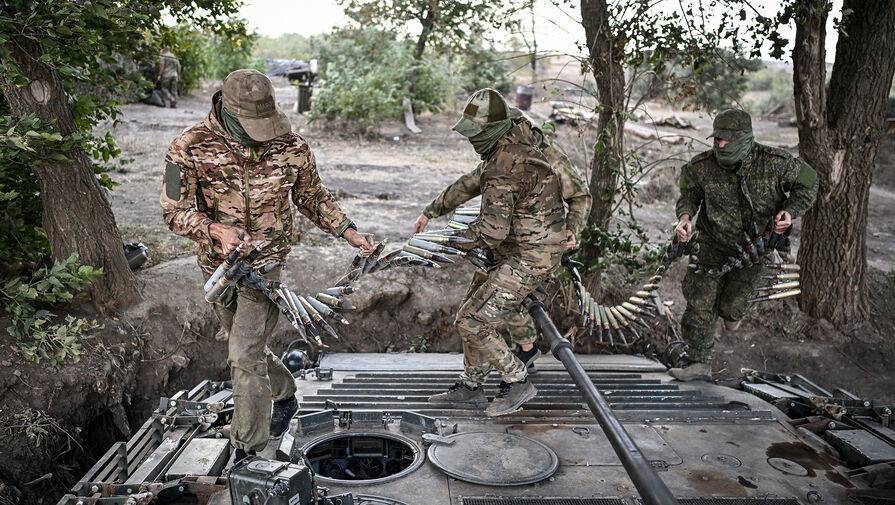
(364, 77)
(27, 302)
(778, 83)
(287, 46)
(714, 84)
(483, 67)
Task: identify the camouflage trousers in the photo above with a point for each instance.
(492, 302)
(707, 298)
(258, 376)
(168, 89)
(517, 327)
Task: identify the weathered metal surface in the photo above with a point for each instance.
(861, 448)
(202, 456)
(494, 459)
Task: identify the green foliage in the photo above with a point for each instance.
(627, 246)
(27, 301)
(288, 46)
(776, 83)
(714, 84)
(363, 77)
(483, 67)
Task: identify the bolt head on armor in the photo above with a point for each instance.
(248, 94)
(730, 123)
(484, 106)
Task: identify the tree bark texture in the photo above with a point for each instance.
(77, 216)
(428, 22)
(605, 53)
(839, 133)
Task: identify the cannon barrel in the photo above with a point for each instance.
(651, 488)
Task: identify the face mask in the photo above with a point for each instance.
(235, 129)
(484, 142)
(735, 151)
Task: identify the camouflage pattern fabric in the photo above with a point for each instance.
(258, 376)
(486, 307)
(168, 89)
(575, 193)
(522, 219)
(518, 326)
(730, 201)
(710, 297)
(210, 178)
(170, 65)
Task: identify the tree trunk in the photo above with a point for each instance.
(839, 133)
(606, 53)
(76, 215)
(428, 23)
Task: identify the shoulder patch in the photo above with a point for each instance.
(172, 181)
(807, 176)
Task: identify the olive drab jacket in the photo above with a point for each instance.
(522, 218)
(733, 201)
(210, 178)
(575, 193)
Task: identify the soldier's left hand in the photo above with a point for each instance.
(782, 221)
(362, 241)
(570, 240)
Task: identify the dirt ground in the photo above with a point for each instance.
(69, 417)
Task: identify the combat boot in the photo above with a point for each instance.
(283, 411)
(240, 455)
(731, 325)
(527, 357)
(693, 371)
(461, 393)
(510, 398)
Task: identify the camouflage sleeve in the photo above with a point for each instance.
(691, 192)
(500, 189)
(312, 198)
(462, 190)
(574, 190)
(178, 198)
(800, 180)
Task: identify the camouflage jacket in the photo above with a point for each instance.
(522, 219)
(575, 193)
(171, 65)
(730, 201)
(210, 178)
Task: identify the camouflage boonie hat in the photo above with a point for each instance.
(730, 123)
(248, 95)
(483, 107)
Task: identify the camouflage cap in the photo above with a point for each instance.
(248, 94)
(729, 123)
(483, 107)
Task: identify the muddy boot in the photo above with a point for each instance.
(283, 411)
(461, 393)
(528, 357)
(731, 325)
(692, 372)
(510, 398)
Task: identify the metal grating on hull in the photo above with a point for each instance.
(712, 500)
(629, 394)
(528, 500)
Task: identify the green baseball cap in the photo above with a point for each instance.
(483, 107)
(730, 123)
(248, 94)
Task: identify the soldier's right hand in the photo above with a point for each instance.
(228, 236)
(684, 228)
(419, 225)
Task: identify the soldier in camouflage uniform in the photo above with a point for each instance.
(522, 224)
(168, 77)
(518, 325)
(229, 180)
(734, 186)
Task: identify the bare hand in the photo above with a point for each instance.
(684, 228)
(228, 236)
(419, 225)
(570, 240)
(362, 241)
(782, 221)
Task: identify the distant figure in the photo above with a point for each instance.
(733, 186)
(168, 76)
